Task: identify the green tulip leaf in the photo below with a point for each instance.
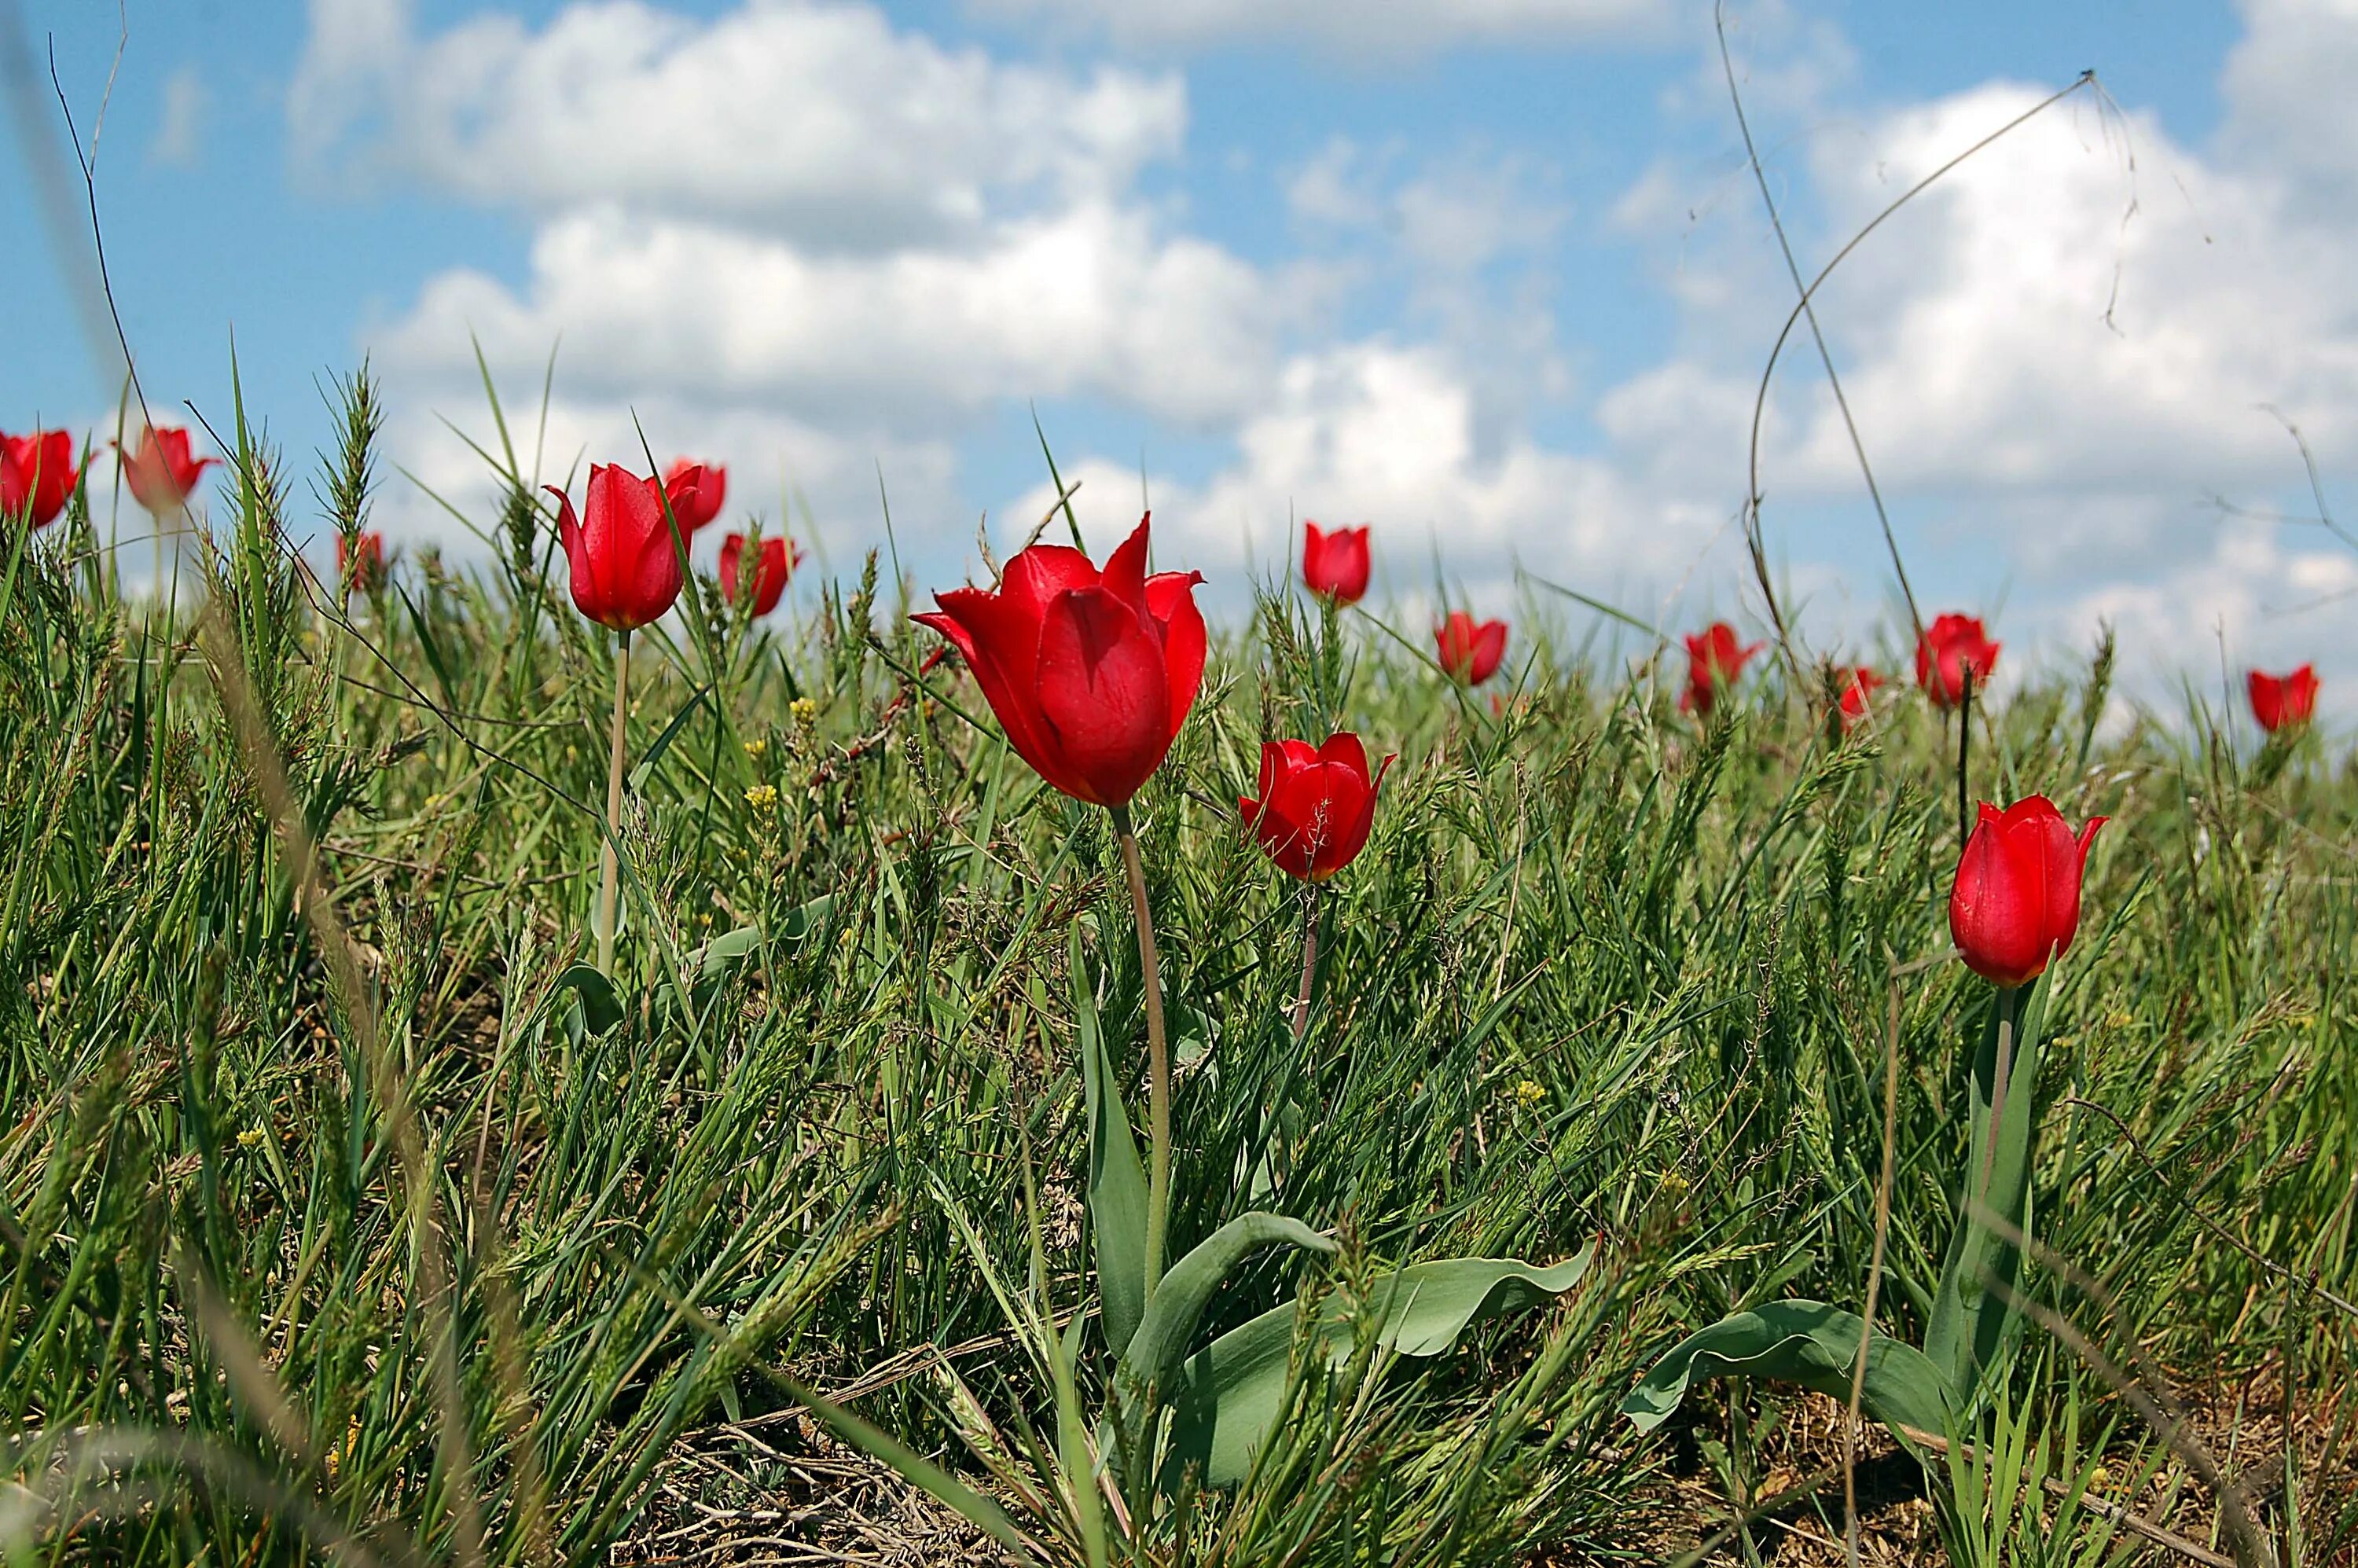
(1806, 1342)
(714, 958)
(1976, 1320)
(593, 993)
(1231, 1393)
(1117, 1194)
(1179, 1301)
(804, 919)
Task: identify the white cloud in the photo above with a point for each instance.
(1378, 434)
(794, 231)
(2022, 326)
(1354, 27)
(792, 226)
(180, 127)
(2054, 357)
(815, 120)
(1094, 300)
(2286, 91)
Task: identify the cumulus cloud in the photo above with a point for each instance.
(821, 120)
(2056, 358)
(1352, 26)
(1383, 433)
(1094, 300)
(797, 230)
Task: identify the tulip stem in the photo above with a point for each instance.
(609, 863)
(1964, 753)
(1309, 960)
(2007, 999)
(1158, 1057)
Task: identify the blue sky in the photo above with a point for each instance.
(1489, 275)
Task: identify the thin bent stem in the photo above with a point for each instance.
(1158, 1057)
(608, 865)
(1309, 960)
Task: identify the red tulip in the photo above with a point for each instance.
(370, 547)
(1090, 675)
(765, 579)
(1335, 565)
(1316, 805)
(1858, 695)
(624, 562)
(2282, 700)
(2017, 900)
(698, 501)
(36, 475)
(1470, 653)
(1949, 647)
(1715, 659)
(162, 473)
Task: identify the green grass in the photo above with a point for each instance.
(447, 1267)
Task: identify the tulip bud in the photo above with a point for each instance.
(696, 492)
(1715, 659)
(2282, 701)
(1470, 654)
(622, 558)
(1316, 805)
(1951, 647)
(1091, 674)
(2016, 904)
(163, 474)
(1335, 565)
(764, 578)
(36, 476)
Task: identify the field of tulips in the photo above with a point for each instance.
(576, 1058)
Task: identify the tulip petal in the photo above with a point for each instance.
(1171, 601)
(1997, 910)
(2067, 860)
(1125, 570)
(1001, 644)
(580, 570)
(1042, 572)
(1347, 750)
(1272, 763)
(1103, 692)
(1489, 649)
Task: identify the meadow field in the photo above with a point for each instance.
(353, 1210)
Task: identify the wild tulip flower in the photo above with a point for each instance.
(696, 501)
(1951, 646)
(1316, 805)
(2281, 702)
(361, 560)
(1858, 695)
(763, 579)
(1715, 659)
(1090, 673)
(1470, 653)
(36, 476)
(2016, 904)
(1335, 565)
(624, 561)
(163, 472)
